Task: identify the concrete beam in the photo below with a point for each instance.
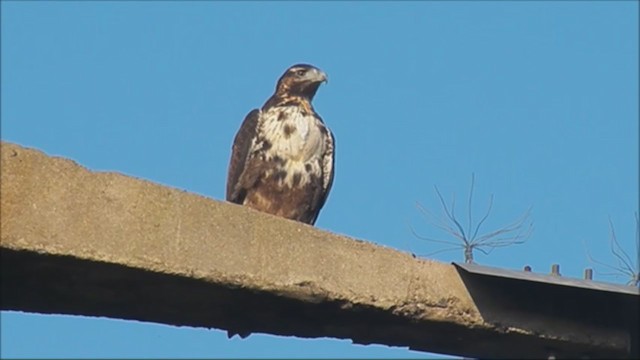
(104, 244)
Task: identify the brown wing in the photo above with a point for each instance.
(240, 151)
(328, 161)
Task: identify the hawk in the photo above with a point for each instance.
(283, 154)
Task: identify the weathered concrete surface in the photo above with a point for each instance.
(104, 244)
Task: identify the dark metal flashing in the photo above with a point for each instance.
(549, 279)
(558, 306)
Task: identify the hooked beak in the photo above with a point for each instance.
(317, 75)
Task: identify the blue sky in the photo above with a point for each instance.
(538, 99)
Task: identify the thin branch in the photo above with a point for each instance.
(420, 237)
(486, 215)
(514, 226)
(624, 261)
(502, 243)
(518, 238)
(513, 233)
(617, 270)
(441, 224)
(616, 273)
(432, 219)
(486, 252)
(451, 216)
(469, 215)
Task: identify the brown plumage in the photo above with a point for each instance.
(283, 155)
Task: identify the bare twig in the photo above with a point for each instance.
(625, 265)
(516, 232)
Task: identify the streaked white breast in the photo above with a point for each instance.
(305, 141)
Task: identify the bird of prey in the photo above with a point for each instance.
(283, 154)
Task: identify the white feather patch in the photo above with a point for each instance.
(305, 144)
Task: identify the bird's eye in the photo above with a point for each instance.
(300, 72)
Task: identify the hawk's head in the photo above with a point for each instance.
(301, 80)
